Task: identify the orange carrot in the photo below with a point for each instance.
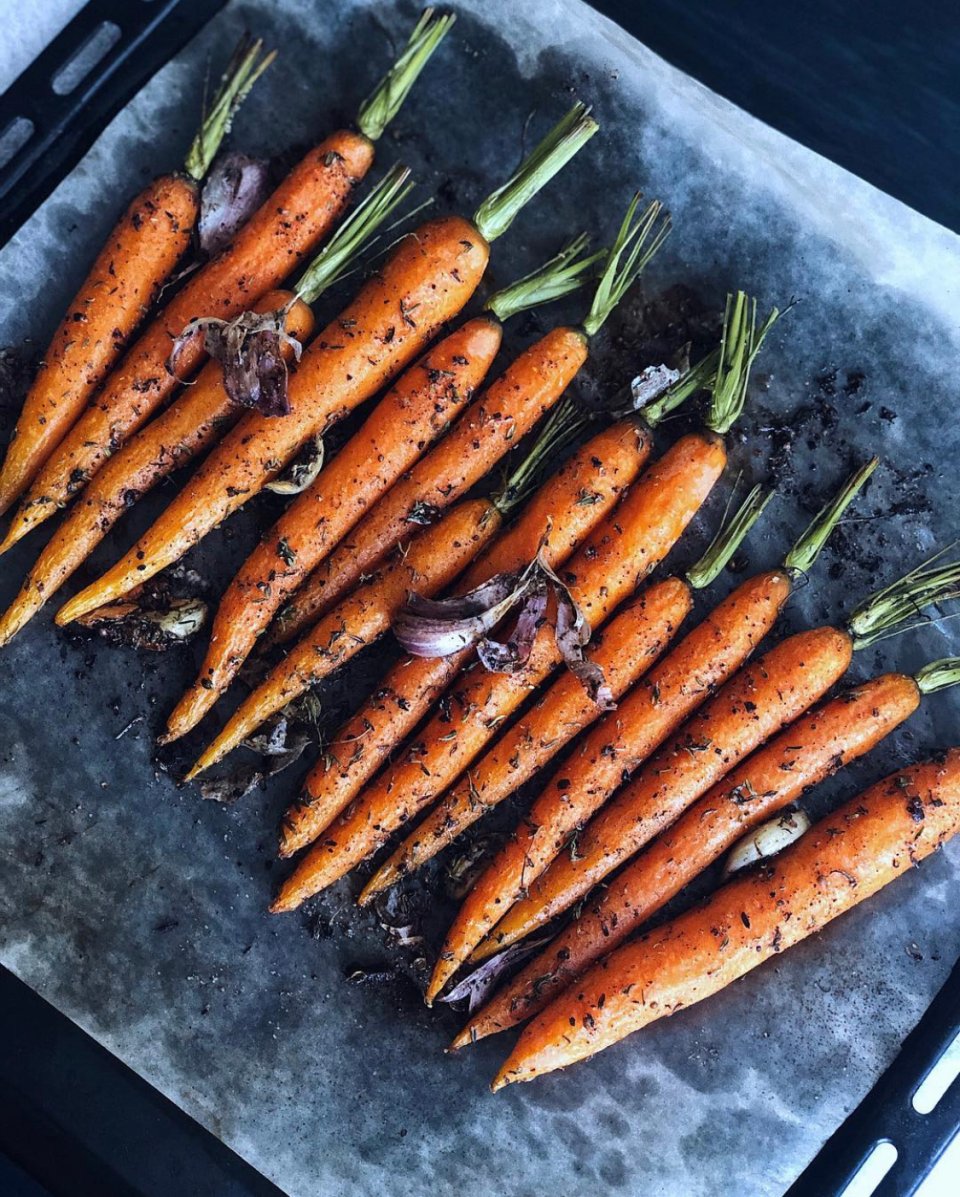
(813, 748)
(497, 419)
(531, 385)
(267, 248)
(625, 649)
(636, 820)
(627, 546)
(428, 563)
(559, 715)
(123, 284)
(421, 406)
(189, 426)
(761, 699)
(425, 282)
(779, 773)
(395, 710)
(555, 523)
(706, 658)
(425, 399)
(197, 418)
(844, 859)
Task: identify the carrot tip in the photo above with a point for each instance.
(499, 1082)
(195, 770)
(380, 881)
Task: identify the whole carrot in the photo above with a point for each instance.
(267, 248)
(431, 561)
(498, 418)
(193, 422)
(424, 283)
(626, 547)
(123, 284)
(625, 651)
(410, 689)
(554, 524)
(421, 406)
(706, 658)
(842, 860)
(634, 818)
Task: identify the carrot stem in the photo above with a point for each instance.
(564, 423)
(243, 70)
(564, 273)
(337, 257)
(729, 537)
(898, 607)
(938, 675)
(386, 99)
(639, 241)
(725, 371)
(740, 345)
(565, 139)
(801, 558)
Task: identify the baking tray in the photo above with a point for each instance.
(69, 914)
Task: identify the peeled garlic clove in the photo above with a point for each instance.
(766, 840)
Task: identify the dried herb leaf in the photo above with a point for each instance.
(232, 786)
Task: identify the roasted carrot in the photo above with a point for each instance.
(844, 859)
(185, 429)
(123, 284)
(501, 416)
(429, 562)
(706, 658)
(554, 523)
(195, 420)
(625, 548)
(421, 406)
(426, 281)
(783, 771)
(653, 801)
(412, 687)
(270, 245)
(625, 651)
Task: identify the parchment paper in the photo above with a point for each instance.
(139, 910)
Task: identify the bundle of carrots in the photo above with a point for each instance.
(535, 635)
